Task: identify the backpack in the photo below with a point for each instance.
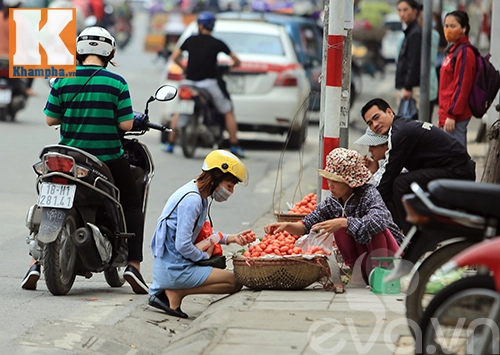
(486, 82)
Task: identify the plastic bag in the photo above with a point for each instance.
(206, 232)
(408, 109)
(312, 244)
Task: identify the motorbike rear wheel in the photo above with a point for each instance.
(114, 276)
(189, 136)
(417, 287)
(59, 258)
(468, 299)
(3, 113)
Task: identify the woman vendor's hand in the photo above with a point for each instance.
(329, 226)
(275, 227)
(242, 238)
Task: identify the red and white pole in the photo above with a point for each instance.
(333, 82)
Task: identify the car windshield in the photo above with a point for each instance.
(252, 43)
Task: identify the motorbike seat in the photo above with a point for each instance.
(82, 156)
(474, 197)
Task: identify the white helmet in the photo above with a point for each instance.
(95, 40)
(12, 3)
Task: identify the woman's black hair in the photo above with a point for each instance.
(380, 103)
(462, 18)
(412, 3)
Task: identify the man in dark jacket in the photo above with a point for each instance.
(427, 152)
(408, 63)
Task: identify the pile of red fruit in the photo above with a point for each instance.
(305, 206)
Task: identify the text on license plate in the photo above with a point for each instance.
(56, 195)
(5, 96)
(235, 84)
(186, 107)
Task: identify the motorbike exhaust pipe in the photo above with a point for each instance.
(85, 242)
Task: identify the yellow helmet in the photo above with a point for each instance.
(227, 162)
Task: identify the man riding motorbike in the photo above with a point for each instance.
(92, 108)
(201, 70)
(20, 87)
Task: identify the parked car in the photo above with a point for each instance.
(270, 90)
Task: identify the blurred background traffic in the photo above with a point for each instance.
(277, 89)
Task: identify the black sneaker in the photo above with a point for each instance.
(134, 278)
(31, 278)
(160, 301)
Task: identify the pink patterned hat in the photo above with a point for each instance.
(346, 165)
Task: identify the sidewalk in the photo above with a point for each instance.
(306, 322)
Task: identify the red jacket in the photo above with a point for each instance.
(455, 83)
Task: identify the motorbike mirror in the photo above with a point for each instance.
(166, 93)
(52, 81)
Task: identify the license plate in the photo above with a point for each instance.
(56, 195)
(186, 107)
(235, 84)
(5, 96)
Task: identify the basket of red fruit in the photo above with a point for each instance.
(275, 263)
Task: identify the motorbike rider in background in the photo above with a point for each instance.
(201, 70)
(92, 108)
(19, 86)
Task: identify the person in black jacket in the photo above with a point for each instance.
(427, 152)
(408, 63)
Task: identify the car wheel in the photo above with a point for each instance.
(298, 136)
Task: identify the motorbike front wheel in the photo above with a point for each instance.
(189, 136)
(415, 298)
(59, 258)
(114, 276)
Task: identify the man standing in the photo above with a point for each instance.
(427, 152)
(408, 63)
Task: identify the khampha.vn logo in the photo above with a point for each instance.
(42, 43)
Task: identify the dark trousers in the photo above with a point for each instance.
(422, 177)
(131, 203)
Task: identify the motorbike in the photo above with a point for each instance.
(199, 122)
(10, 104)
(77, 226)
(450, 217)
(463, 317)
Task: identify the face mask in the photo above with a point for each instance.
(221, 195)
(453, 35)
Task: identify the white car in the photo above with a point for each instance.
(393, 38)
(270, 90)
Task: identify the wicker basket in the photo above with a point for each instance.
(286, 273)
(288, 217)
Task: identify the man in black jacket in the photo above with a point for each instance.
(408, 63)
(427, 152)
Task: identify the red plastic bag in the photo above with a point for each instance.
(205, 232)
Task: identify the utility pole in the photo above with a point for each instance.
(491, 171)
(334, 105)
(425, 63)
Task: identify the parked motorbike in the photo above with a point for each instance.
(463, 317)
(200, 124)
(77, 226)
(452, 216)
(10, 103)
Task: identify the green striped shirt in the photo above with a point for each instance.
(90, 119)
